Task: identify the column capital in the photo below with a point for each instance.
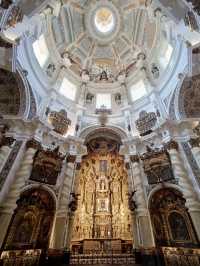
(194, 142)
(7, 141)
(34, 144)
(172, 145)
(73, 204)
(127, 165)
(78, 166)
(134, 158)
(71, 158)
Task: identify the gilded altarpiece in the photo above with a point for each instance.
(103, 220)
(32, 221)
(171, 220)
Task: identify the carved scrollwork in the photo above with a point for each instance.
(7, 141)
(47, 166)
(15, 16)
(59, 121)
(34, 144)
(194, 142)
(172, 145)
(131, 201)
(157, 166)
(146, 122)
(73, 204)
(134, 158)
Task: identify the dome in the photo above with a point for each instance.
(108, 40)
(102, 61)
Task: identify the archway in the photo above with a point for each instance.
(103, 220)
(171, 221)
(31, 224)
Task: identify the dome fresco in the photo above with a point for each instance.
(106, 38)
(104, 20)
(105, 60)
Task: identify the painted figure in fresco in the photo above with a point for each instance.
(24, 232)
(178, 227)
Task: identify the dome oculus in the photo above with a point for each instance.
(104, 20)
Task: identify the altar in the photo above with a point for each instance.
(101, 246)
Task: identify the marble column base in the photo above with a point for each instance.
(195, 216)
(5, 219)
(145, 232)
(69, 231)
(136, 241)
(59, 233)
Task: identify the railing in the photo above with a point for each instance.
(20, 257)
(181, 256)
(102, 259)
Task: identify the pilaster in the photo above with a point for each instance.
(187, 189)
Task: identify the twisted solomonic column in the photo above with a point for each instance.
(21, 177)
(142, 213)
(184, 182)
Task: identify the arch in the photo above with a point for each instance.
(9, 94)
(159, 187)
(171, 221)
(16, 97)
(32, 222)
(188, 98)
(95, 129)
(44, 187)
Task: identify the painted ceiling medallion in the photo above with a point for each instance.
(103, 21)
